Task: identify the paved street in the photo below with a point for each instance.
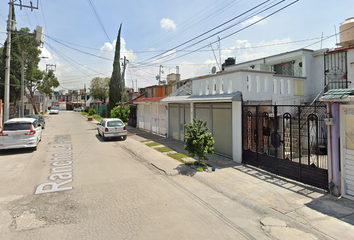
(75, 186)
(110, 194)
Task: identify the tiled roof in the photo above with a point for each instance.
(338, 93)
(154, 99)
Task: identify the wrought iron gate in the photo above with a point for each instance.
(290, 141)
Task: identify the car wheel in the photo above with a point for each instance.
(98, 131)
(104, 138)
(124, 138)
(43, 126)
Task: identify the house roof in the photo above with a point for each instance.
(154, 99)
(230, 97)
(338, 94)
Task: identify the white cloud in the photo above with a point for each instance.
(253, 20)
(108, 49)
(167, 24)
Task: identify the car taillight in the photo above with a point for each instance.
(32, 132)
(2, 133)
(125, 128)
(106, 130)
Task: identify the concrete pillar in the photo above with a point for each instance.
(335, 150)
(192, 111)
(237, 131)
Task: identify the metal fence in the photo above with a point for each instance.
(287, 140)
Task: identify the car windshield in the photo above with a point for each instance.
(54, 108)
(17, 126)
(114, 123)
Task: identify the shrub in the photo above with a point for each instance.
(123, 114)
(198, 141)
(86, 110)
(91, 112)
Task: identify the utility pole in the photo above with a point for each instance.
(10, 26)
(22, 112)
(85, 94)
(7, 66)
(160, 71)
(122, 83)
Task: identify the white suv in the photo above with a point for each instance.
(20, 133)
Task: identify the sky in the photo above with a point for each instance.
(191, 36)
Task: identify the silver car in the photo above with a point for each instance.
(20, 133)
(112, 128)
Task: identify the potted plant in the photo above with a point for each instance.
(90, 113)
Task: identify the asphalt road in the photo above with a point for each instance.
(76, 186)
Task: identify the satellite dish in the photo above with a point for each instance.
(213, 70)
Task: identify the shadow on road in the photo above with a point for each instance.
(8, 152)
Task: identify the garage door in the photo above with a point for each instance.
(348, 151)
(174, 121)
(222, 128)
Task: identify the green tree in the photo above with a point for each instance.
(99, 88)
(116, 84)
(122, 114)
(198, 140)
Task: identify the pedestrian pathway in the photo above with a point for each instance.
(261, 190)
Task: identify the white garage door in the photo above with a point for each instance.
(222, 128)
(347, 126)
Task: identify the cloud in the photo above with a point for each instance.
(253, 20)
(108, 50)
(167, 24)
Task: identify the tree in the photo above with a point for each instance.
(121, 112)
(116, 84)
(198, 141)
(99, 88)
(22, 42)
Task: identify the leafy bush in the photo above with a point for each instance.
(198, 141)
(86, 110)
(91, 112)
(123, 114)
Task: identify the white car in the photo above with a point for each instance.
(20, 133)
(54, 110)
(79, 109)
(112, 128)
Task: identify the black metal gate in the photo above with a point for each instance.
(290, 141)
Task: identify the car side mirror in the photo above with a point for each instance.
(98, 123)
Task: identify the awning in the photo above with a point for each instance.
(232, 97)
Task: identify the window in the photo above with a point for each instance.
(17, 126)
(281, 86)
(166, 90)
(286, 68)
(249, 83)
(114, 123)
(266, 84)
(289, 86)
(152, 92)
(275, 87)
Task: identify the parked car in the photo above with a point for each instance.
(39, 118)
(20, 133)
(112, 128)
(54, 110)
(79, 109)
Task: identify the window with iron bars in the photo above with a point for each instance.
(286, 68)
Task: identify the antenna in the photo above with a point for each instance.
(215, 57)
(335, 31)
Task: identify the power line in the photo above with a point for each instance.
(229, 35)
(99, 19)
(232, 19)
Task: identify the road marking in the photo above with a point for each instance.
(62, 162)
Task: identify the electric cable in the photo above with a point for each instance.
(232, 19)
(99, 19)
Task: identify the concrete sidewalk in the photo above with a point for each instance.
(258, 189)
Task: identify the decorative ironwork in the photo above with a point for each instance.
(286, 140)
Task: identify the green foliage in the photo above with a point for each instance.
(198, 140)
(91, 112)
(49, 81)
(99, 88)
(86, 110)
(121, 112)
(116, 84)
